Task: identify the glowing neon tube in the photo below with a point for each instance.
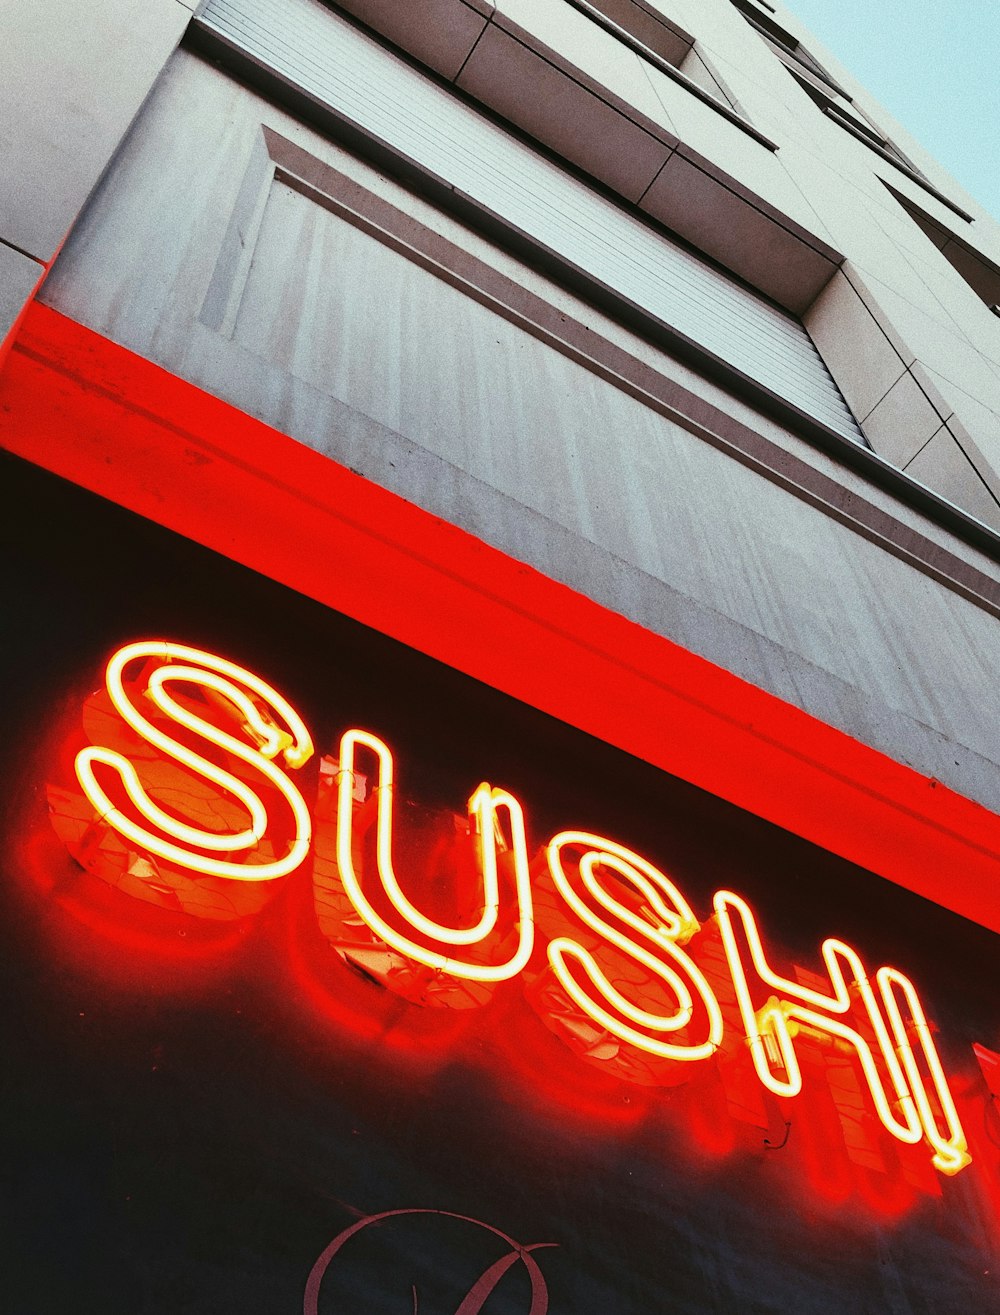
(908, 1115)
(671, 925)
(174, 840)
(483, 806)
(951, 1150)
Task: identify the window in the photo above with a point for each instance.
(839, 107)
(982, 276)
(788, 48)
(655, 37)
(821, 88)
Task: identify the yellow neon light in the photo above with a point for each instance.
(951, 1151)
(483, 806)
(908, 1114)
(224, 680)
(671, 924)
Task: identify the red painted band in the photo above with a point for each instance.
(104, 418)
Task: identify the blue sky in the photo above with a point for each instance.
(934, 66)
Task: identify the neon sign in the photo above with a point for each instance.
(620, 940)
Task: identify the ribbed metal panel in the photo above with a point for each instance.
(363, 84)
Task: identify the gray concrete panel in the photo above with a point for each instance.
(580, 126)
(855, 344)
(440, 33)
(904, 420)
(694, 203)
(72, 77)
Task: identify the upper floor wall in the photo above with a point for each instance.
(794, 179)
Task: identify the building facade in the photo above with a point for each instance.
(596, 398)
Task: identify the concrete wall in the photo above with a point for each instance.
(780, 208)
(344, 341)
(72, 76)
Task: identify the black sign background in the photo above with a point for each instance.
(191, 1116)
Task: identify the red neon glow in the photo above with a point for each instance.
(483, 806)
(245, 699)
(669, 923)
(907, 1114)
(636, 918)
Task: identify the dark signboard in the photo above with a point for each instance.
(675, 1060)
